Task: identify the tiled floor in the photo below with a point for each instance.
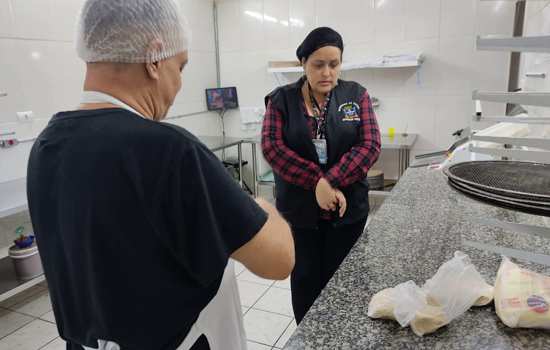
(27, 321)
(267, 308)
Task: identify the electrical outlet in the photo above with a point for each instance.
(25, 116)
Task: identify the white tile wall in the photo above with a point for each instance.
(6, 19)
(32, 19)
(40, 71)
(389, 20)
(347, 16)
(201, 22)
(458, 18)
(253, 33)
(450, 116)
(492, 16)
(230, 21)
(304, 13)
(422, 19)
(433, 100)
(63, 22)
(276, 23)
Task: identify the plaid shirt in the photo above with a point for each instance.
(352, 167)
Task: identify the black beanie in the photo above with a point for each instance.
(318, 38)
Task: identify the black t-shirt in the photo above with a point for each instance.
(135, 221)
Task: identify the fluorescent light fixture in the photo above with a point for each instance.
(296, 22)
(254, 14)
(270, 19)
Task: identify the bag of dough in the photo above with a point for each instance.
(522, 297)
(408, 304)
(455, 288)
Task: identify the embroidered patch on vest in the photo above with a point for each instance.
(351, 112)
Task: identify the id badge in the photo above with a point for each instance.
(321, 148)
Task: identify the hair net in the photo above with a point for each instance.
(131, 31)
(318, 38)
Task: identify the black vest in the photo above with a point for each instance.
(297, 205)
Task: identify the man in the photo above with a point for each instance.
(135, 219)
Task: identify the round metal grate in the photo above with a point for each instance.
(520, 185)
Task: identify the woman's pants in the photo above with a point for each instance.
(319, 253)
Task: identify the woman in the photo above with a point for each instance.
(321, 137)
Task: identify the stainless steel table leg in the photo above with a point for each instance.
(240, 154)
(254, 170)
(400, 164)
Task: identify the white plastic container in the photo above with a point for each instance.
(26, 262)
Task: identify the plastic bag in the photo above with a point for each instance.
(522, 297)
(410, 299)
(455, 288)
(408, 304)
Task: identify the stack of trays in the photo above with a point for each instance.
(522, 186)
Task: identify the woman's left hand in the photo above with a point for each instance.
(325, 195)
(342, 204)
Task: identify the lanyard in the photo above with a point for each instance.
(100, 97)
(320, 114)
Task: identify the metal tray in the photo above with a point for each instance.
(528, 201)
(520, 180)
(505, 203)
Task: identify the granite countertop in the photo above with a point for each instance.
(417, 229)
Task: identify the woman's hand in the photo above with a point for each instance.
(342, 204)
(325, 195)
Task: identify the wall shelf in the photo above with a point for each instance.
(514, 44)
(382, 62)
(514, 119)
(541, 143)
(512, 130)
(524, 155)
(522, 98)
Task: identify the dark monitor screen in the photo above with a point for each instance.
(222, 98)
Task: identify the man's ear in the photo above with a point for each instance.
(151, 66)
